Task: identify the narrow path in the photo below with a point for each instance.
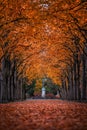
(43, 115)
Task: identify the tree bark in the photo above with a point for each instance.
(83, 77)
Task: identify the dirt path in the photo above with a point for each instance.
(43, 115)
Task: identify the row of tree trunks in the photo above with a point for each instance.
(77, 80)
(84, 77)
(11, 87)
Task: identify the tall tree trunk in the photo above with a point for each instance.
(83, 77)
(5, 80)
(71, 84)
(78, 80)
(1, 87)
(75, 82)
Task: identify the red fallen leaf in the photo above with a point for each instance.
(43, 114)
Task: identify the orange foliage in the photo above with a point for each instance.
(39, 34)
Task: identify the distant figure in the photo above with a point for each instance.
(57, 95)
(43, 92)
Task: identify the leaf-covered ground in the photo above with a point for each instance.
(43, 115)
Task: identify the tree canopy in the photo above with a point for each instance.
(43, 36)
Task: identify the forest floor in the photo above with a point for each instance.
(43, 115)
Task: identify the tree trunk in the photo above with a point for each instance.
(75, 82)
(83, 78)
(78, 80)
